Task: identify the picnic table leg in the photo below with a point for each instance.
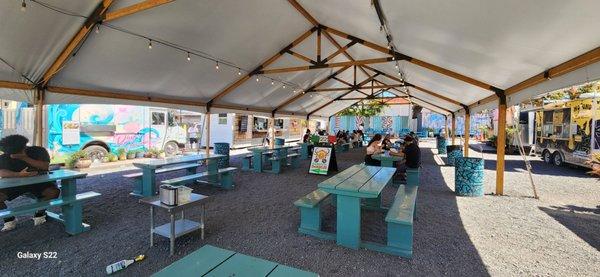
(172, 240)
(348, 221)
(212, 165)
(72, 213)
(304, 151)
(373, 203)
(387, 163)
(257, 161)
(151, 226)
(148, 182)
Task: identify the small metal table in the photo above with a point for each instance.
(180, 227)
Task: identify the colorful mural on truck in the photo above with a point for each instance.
(118, 126)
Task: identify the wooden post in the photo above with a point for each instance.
(501, 141)
(207, 133)
(39, 118)
(467, 132)
(446, 126)
(271, 132)
(453, 128)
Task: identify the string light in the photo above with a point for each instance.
(284, 86)
(272, 82)
(97, 28)
(239, 72)
(188, 56)
(217, 65)
(257, 79)
(23, 6)
(149, 44)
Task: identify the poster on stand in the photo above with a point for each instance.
(70, 132)
(319, 164)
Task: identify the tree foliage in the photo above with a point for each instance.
(371, 108)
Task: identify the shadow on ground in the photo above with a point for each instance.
(585, 226)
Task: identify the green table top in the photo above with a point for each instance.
(157, 163)
(359, 181)
(386, 157)
(52, 176)
(214, 261)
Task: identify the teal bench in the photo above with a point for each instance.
(343, 147)
(213, 261)
(225, 174)
(412, 176)
(137, 176)
(247, 162)
(277, 162)
(400, 222)
(58, 202)
(310, 213)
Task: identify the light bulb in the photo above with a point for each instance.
(97, 28)
(149, 44)
(217, 66)
(396, 66)
(272, 83)
(23, 6)
(393, 58)
(188, 57)
(283, 86)
(239, 72)
(399, 74)
(257, 79)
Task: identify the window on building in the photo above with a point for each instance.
(222, 119)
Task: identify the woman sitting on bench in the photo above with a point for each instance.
(374, 147)
(19, 160)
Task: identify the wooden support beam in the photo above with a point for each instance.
(329, 102)
(15, 85)
(410, 59)
(300, 56)
(467, 132)
(342, 81)
(446, 126)
(321, 66)
(271, 131)
(39, 118)
(135, 8)
(420, 99)
(122, 96)
(376, 98)
(357, 87)
(501, 144)
(76, 41)
(339, 51)
(319, 45)
(453, 129)
(266, 63)
(317, 84)
(304, 13)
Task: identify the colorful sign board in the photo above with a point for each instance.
(321, 158)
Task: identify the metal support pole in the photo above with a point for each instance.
(207, 133)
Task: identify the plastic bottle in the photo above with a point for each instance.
(120, 265)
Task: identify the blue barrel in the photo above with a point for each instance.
(468, 176)
(222, 148)
(441, 143)
(279, 141)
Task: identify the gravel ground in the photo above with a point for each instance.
(508, 235)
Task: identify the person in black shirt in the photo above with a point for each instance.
(412, 156)
(19, 160)
(306, 136)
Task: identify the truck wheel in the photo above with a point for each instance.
(96, 152)
(557, 159)
(547, 156)
(171, 148)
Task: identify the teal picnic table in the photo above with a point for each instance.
(350, 187)
(69, 200)
(149, 169)
(386, 159)
(213, 261)
(304, 150)
(257, 153)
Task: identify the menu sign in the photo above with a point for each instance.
(70, 132)
(319, 164)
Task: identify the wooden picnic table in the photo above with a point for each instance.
(386, 159)
(257, 153)
(213, 261)
(149, 169)
(71, 215)
(349, 187)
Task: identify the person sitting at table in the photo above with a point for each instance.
(412, 156)
(306, 136)
(374, 147)
(19, 160)
(387, 142)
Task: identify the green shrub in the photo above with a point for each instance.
(76, 156)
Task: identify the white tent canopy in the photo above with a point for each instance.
(458, 51)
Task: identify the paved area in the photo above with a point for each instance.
(456, 236)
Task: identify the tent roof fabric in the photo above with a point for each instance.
(500, 43)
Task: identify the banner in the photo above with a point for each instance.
(70, 132)
(321, 158)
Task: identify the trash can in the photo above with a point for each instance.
(468, 176)
(279, 141)
(441, 143)
(222, 148)
(453, 151)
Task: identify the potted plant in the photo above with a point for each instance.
(112, 157)
(131, 154)
(161, 154)
(121, 154)
(78, 159)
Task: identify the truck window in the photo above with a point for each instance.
(158, 118)
(171, 119)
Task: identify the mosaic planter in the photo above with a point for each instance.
(441, 143)
(222, 148)
(279, 141)
(468, 177)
